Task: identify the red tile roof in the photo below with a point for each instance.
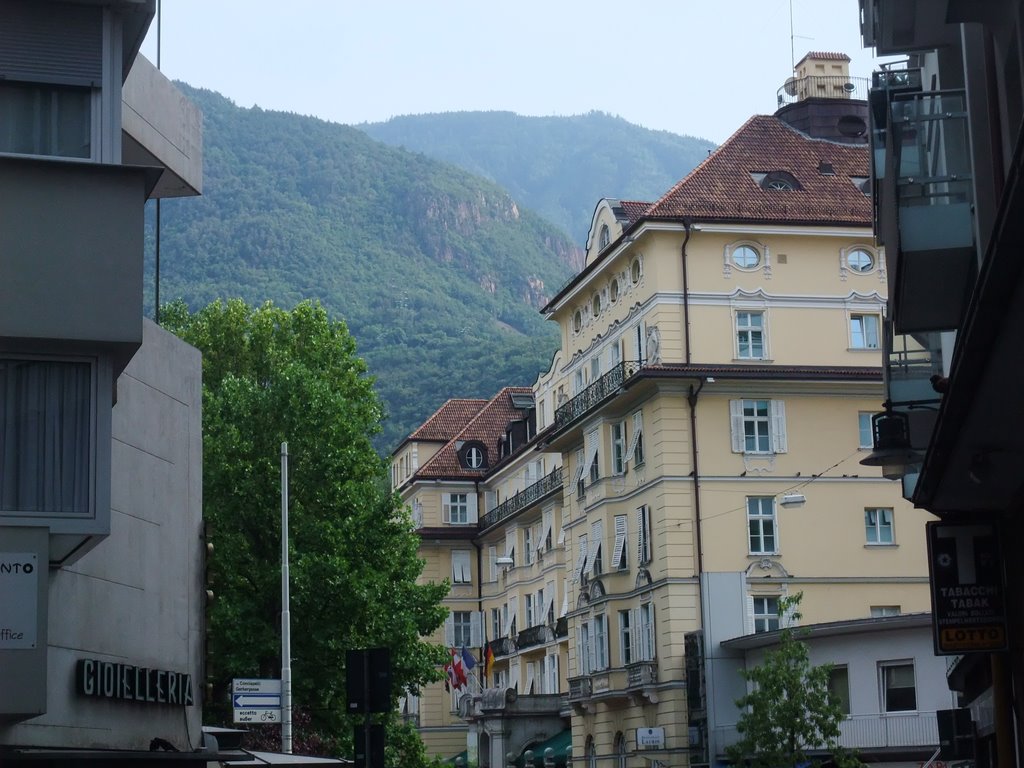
(448, 420)
(826, 55)
(488, 425)
(634, 209)
(721, 188)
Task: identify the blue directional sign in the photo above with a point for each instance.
(256, 701)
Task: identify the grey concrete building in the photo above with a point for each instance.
(101, 537)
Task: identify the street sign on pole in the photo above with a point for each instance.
(256, 701)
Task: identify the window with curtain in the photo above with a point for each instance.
(45, 436)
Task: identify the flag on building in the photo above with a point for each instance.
(468, 661)
(488, 661)
(454, 671)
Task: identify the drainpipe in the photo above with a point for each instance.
(686, 292)
(480, 590)
(692, 400)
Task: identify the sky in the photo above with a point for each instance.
(689, 67)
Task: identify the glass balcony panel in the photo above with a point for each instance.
(911, 361)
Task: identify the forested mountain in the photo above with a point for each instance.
(557, 166)
(439, 274)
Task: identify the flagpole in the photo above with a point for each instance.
(286, 621)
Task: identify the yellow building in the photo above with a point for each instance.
(706, 413)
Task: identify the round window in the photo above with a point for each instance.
(577, 321)
(635, 271)
(613, 290)
(860, 260)
(595, 304)
(745, 257)
(475, 457)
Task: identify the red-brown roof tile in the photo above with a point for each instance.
(487, 426)
(448, 420)
(634, 209)
(826, 55)
(721, 188)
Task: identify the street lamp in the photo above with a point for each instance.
(891, 441)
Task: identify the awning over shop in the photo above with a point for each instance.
(560, 743)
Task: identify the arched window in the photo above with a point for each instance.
(605, 237)
(620, 750)
(590, 753)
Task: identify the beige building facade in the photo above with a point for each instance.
(700, 431)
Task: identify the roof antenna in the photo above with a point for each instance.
(792, 50)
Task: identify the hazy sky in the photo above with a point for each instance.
(698, 68)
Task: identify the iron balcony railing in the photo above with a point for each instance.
(823, 87)
(532, 636)
(502, 646)
(528, 496)
(596, 393)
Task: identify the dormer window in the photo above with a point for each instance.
(473, 455)
(604, 238)
(780, 181)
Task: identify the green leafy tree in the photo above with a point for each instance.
(269, 376)
(790, 707)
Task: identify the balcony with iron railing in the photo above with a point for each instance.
(534, 636)
(529, 496)
(866, 732)
(595, 394)
(822, 87)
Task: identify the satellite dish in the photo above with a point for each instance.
(849, 87)
(789, 86)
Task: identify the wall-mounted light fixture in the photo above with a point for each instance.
(891, 440)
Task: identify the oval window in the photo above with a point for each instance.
(595, 304)
(745, 256)
(613, 290)
(859, 260)
(635, 271)
(577, 321)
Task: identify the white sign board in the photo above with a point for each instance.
(19, 592)
(650, 738)
(256, 701)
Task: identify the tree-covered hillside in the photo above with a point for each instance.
(438, 274)
(557, 166)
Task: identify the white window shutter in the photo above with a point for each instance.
(490, 500)
(581, 458)
(651, 647)
(565, 604)
(556, 678)
(531, 677)
(561, 537)
(513, 674)
(638, 428)
(620, 540)
(634, 633)
(643, 543)
(449, 631)
(750, 615)
(549, 598)
(592, 446)
(736, 422)
(592, 651)
(596, 538)
(509, 615)
(446, 508)
(510, 542)
(476, 629)
(780, 444)
(471, 500)
(581, 559)
(492, 563)
(549, 517)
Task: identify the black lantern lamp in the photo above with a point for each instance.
(891, 440)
